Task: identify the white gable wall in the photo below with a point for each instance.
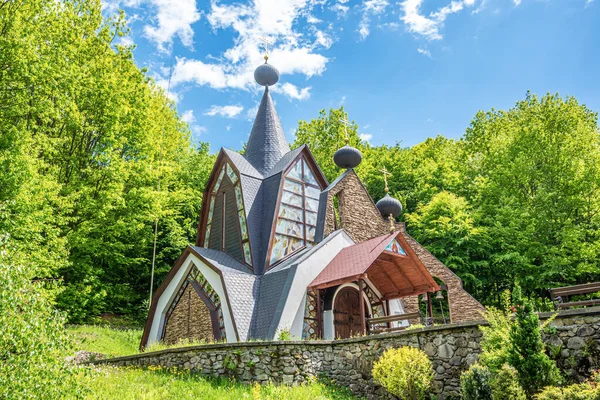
(292, 317)
(167, 296)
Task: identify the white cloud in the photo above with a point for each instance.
(173, 17)
(188, 116)
(295, 48)
(429, 26)
(517, 2)
(252, 111)
(340, 9)
(342, 101)
(425, 52)
(370, 8)
(228, 128)
(224, 111)
(365, 137)
(292, 91)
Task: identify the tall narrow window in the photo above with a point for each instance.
(227, 170)
(297, 217)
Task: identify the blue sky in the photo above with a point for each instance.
(405, 70)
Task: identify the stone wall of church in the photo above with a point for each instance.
(190, 320)
(575, 343)
(362, 221)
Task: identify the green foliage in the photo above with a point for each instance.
(588, 390)
(284, 334)
(405, 372)
(505, 385)
(496, 335)
(88, 138)
(475, 383)
(33, 342)
(527, 351)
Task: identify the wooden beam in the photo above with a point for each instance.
(410, 284)
(363, 319)
(336, 282)
(390, 279)
(387, 312)
(319, 316)
(430, 306)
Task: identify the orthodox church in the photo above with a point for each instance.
(281, 249)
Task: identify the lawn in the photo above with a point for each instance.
(105, 340)
(161, 383)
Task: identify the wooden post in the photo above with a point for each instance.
(319, 316)
(387, 310)
(430, 306)
(363, 320)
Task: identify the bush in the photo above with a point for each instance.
(475, 383)
(405, 372)
(33, 342)
(505, 386)
(527, 351)
(589, 390)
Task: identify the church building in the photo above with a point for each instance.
(281, 249)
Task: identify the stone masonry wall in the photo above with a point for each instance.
(573, 341)
(190, 319)
(362, 221)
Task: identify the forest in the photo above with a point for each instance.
(93, 154)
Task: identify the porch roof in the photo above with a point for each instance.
(394, 274)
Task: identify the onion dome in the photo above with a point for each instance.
(347, 157)
(266, 74)
(389, 205)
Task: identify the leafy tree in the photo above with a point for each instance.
(324, 135)
(33, 341)
(447, 226)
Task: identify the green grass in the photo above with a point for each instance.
(105, 340)
(135, 383)
(108, 382)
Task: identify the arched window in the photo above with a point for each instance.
(297, 215)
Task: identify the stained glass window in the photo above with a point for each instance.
(228, 170)
(297, 217)
(395, 247)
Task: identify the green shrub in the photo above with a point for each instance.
(527, 351)
(475, 383)
(33, 342)
(589, 390)
(574, 392)
(405, 372)
(505, 386)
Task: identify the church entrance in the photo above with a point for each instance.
(346, 313)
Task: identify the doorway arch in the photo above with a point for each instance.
(346, 312)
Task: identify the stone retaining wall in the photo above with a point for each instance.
(574, 342)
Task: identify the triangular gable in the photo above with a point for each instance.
(395, 272)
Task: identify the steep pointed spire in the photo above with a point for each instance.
(267, 143)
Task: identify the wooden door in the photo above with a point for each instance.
(346, 313)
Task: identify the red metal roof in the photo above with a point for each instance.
(353, 260)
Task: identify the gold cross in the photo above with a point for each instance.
(266, 43)
(392, 223)
(346, 124)
(385, 173)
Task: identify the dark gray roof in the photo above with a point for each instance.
(242, 164)
(257, 301)
(267, 143)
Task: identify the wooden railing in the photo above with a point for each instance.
(561, 295)
(388, 320)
